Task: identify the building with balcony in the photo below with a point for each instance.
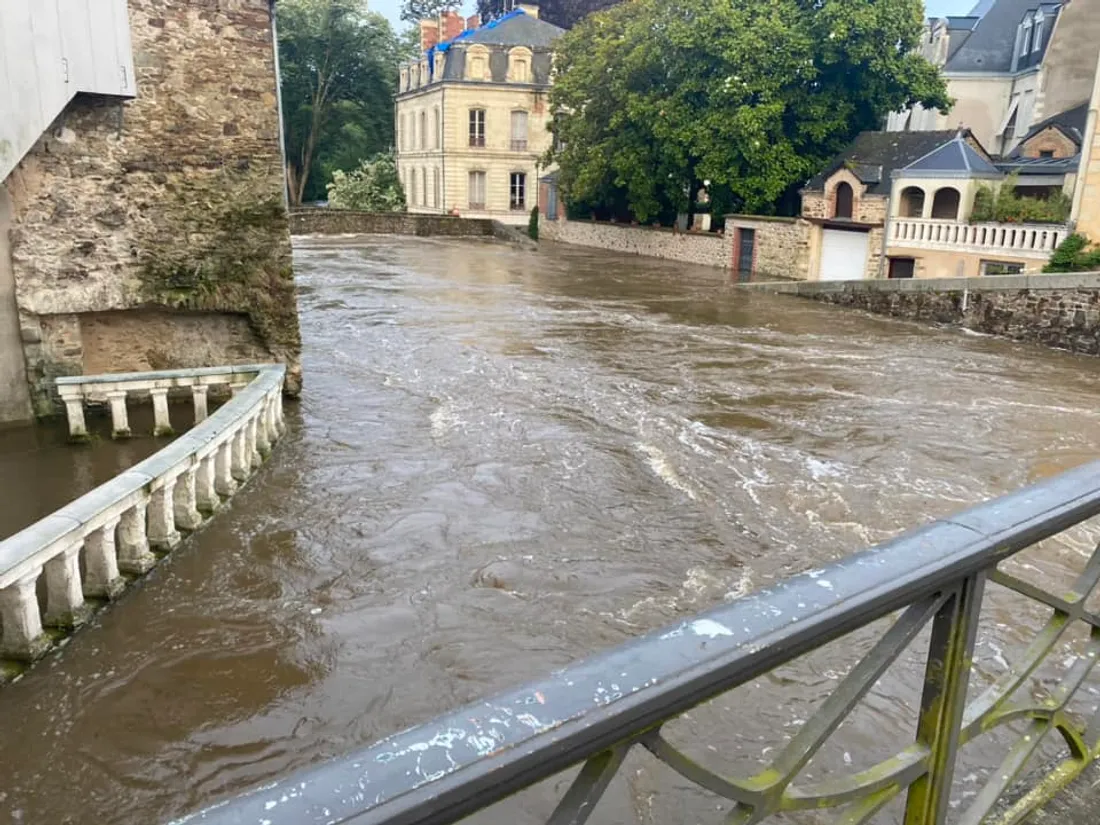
(472, 115)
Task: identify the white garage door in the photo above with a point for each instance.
(843, 255)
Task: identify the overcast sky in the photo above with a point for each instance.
(936, 8)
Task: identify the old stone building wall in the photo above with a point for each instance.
(706, 249)
(782, 245)
(169, 206)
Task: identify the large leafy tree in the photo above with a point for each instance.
(654, 97)
(374, 187)
(413, 11)
(339, 69)
(563, 13)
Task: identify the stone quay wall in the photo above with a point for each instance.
(162, 213)
(707, 249)
(349, 222)
(1061, 311)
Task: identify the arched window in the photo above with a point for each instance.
(912, 202)
(844, 200)
(519, 65)
(477, 63)
(945, 205)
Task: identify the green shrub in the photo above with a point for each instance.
(1074, 255)
(374, 187)
(1007, 206)
(533, 224)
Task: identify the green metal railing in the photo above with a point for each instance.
(595, 712)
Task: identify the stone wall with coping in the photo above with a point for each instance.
(348, 222)
(172, 201)
(1061, 311)
(707, 249)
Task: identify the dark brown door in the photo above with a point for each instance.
(746, 244)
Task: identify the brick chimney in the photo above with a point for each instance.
(429, 34)
(530, 9)
(473, 22)
(451, 25)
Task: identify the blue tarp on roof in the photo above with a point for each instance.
(444, 47)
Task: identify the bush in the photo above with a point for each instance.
(1006, 206)
(533, 224)
(374, 187)
(1074, 255)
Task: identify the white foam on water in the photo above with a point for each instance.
(658, 463)
(444, 419)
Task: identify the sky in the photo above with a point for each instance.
(936, 8)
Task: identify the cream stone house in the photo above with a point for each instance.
(1009, 65)
(472, 115)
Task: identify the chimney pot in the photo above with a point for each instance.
(473, 22)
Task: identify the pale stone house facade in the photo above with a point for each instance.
(472, 115)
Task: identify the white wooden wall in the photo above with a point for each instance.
(50, 50)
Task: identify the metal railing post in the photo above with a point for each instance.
(946, 676)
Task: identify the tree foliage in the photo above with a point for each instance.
(373, 187)
(563, 13)
(1074, 254)
(1006, 205)
(654, 97)
(413, 11)
(339, 66)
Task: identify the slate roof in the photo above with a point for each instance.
(517, 29)
(954, 159)
(874, 156)
(1071, 123)
(990, 47)
(1040, 166)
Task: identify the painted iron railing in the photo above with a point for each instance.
(594, 712)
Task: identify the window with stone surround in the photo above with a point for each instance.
(437, 138)
(477, 127)
(477, 190)
(845, 199)
(518, 195)
(477, 63)
(519, 65)
(423, 130)
(519, 131)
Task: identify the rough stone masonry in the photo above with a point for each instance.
(152, 233)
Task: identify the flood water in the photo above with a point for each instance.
(503, 461)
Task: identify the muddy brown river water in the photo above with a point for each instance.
(503, 461)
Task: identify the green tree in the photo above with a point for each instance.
(413, 11)
(373, 187)
(654, 97)
(339, 66)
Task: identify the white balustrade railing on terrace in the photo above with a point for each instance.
(1018, 240)
(116, 527)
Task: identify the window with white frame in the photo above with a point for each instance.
(518, 196)
(1025, 38)
(519, 131)
(1037, 33)
(477, 190)
(477, 127)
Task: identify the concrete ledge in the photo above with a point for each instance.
(991, 283)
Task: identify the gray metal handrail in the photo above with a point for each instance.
(597, 709)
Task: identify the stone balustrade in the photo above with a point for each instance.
(1013, 240)
(119, 528)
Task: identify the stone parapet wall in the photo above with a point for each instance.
(348, 222)
(1061, 311)
(705, 249)
(172, 201)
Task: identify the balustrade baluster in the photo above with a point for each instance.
(161, 520)
(162, 422)
(184, 505)
(224, 483)
(263, 433)
(120, 424)
(242, 460)
(101, 579)
(252, 448)
(199, 399)
(23, 638)
(206, 496)
(74, 411)
(65, 606)
(133, 541)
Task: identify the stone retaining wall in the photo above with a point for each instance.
(347, 222)
(782, 245)
(706, 249)
(1061, 311)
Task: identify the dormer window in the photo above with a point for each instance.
(424, 72)
(440, 58)
(519, 65)
(1037, 33)
(477, 63)
(1025, 38)
(404, 80)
